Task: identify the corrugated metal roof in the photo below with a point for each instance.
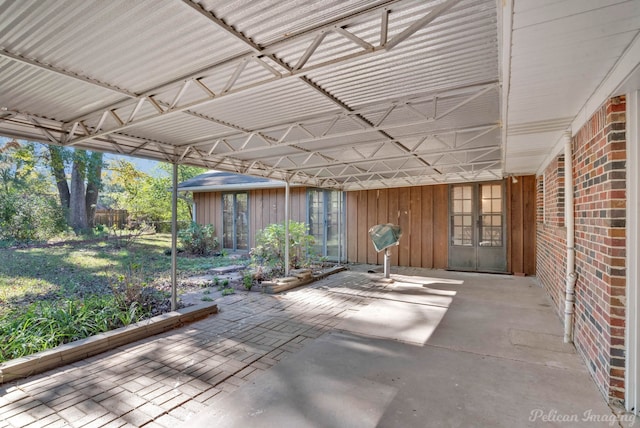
(279, 89)
(345, 94)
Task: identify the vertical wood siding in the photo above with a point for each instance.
(422, 212)
(521, 225)
(266, 206)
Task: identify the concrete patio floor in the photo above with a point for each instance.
(433, 349)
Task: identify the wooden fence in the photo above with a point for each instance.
(112, 218)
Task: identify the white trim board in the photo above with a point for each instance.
(632, 341)
(620, 73)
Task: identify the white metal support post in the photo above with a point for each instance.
(632, 372)
(174, 239)
(569, 220)
(387, 263)
(286, 228)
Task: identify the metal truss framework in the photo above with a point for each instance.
(375, 158)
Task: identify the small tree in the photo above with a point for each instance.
(270, 246)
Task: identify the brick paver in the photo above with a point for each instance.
(166, 379)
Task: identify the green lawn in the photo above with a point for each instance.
(74, 280)
(79, 269)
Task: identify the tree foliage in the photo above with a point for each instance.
(45, 188)
(148, 197)
(28, 208)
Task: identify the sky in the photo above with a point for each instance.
(147, 166)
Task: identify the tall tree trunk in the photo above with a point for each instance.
(57, 167)
(78, 208)
(94, 182)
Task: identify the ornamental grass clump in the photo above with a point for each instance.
(44, 325)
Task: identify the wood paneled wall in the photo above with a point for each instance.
(423, 214)
(420, 211)
(521, 225)
(266, 206)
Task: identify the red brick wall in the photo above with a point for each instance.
(551, 233)
(599, 190)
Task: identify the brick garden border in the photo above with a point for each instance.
(84, 348)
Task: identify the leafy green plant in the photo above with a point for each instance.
(270, 246)
(216, 280)
(199, 239)
(44, 325)
(225, 282)
(228, 291)
(247, 281)
(207, 299)
(207, 291)
(29, 217)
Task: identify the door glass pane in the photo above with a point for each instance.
(333, 227)
(235, 221)
(316, 219)
(325, 225)
(462, 230)
(227, 221)
(466, 192)
(462, 216)
(491, 215)
(486, 205)
(242, 221)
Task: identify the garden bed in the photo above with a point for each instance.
(96, 344)
(71, 281)
(213, 285)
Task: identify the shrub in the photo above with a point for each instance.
(124, 238)
(134, 296)
(270, 246)
(199, 239)
(29, 217)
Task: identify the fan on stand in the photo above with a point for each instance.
(383, 237)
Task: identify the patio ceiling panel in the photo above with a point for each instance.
(476, 108)
(457, 49)
(286, 17)
(175, 129)
(24, 87)
(282, 100)
(147, 42)
(560, 54)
